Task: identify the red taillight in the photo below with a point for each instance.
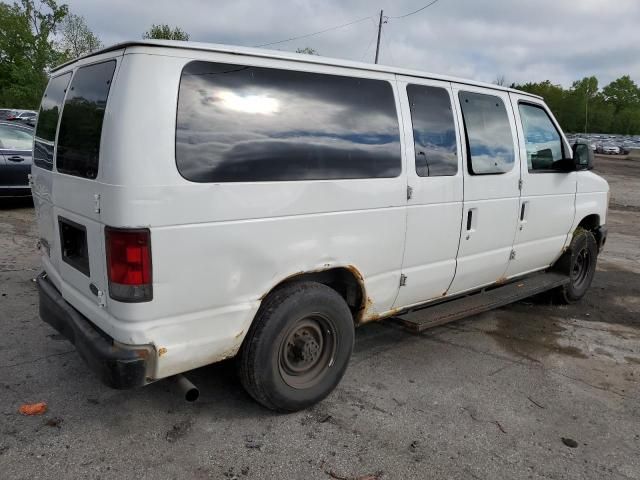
(129, 264)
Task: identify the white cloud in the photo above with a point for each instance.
(524, 40)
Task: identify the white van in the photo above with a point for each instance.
(198, 202)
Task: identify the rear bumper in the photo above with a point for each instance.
(118, 366)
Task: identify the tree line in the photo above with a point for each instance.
(37, 35)
(585, 108)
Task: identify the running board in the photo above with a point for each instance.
(482, 301)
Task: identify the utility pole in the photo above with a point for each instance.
(586, 112)
(379, 31)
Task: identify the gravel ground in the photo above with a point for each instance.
(491, 396)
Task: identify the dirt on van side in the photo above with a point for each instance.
(532, 390)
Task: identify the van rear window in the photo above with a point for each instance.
(238, 123)
(48, 121)
(82, 116)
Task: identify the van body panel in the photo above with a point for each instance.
(591, 198)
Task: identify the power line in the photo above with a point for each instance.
(315, 33)
(373, 37)
(416, 11)
(384, 40)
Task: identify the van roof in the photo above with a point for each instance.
(297, 57)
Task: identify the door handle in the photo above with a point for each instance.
(15, 159)
(522, 211)
(471, 222)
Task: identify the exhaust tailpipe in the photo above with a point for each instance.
(188, 389)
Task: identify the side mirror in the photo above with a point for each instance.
(582, 156)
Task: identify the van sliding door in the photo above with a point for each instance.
(491, 187)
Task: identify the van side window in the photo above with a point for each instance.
(48, 121)
(434, 133)
(541, 138)
(239, 123)
(82, 116)
(489, 137)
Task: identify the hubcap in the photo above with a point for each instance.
(307, 351)
(581, 267)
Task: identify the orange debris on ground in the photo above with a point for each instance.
(33, 408)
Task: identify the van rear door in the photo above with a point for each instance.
(66, 187)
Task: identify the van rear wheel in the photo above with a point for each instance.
(298, 347)
(580, 264)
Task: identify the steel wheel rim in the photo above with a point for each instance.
(307, 350)
(581, 267)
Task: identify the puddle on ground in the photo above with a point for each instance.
(530, 335)
(536, 331)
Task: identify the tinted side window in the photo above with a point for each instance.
(48, 121)
(434, 133)
(238, 124)
(541, 138)
(489, 137)
(82, 116)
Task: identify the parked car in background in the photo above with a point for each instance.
(610, 149)
(30, 120)
(22, 115)
(5, 113)
(16, 144)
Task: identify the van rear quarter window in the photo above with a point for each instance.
(489, 137)
(82, 116)
(239, 123)
(48, 121)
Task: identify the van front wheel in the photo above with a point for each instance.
(298, 347)
(580, 264)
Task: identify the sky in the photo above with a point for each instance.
(520, 40)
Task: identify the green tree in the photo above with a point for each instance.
(554, 96)
(582, 92)
(27, 50)
(622, 93)
(165, 32)
(77, 38)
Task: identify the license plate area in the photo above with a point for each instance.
(73, 245)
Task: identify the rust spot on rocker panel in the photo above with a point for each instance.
(142, 353)
(374, 317)
(501, 281)
(162, 351)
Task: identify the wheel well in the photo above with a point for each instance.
(347, 281)
(590, 222)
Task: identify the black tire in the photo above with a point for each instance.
(580, 264)
(298, 347)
